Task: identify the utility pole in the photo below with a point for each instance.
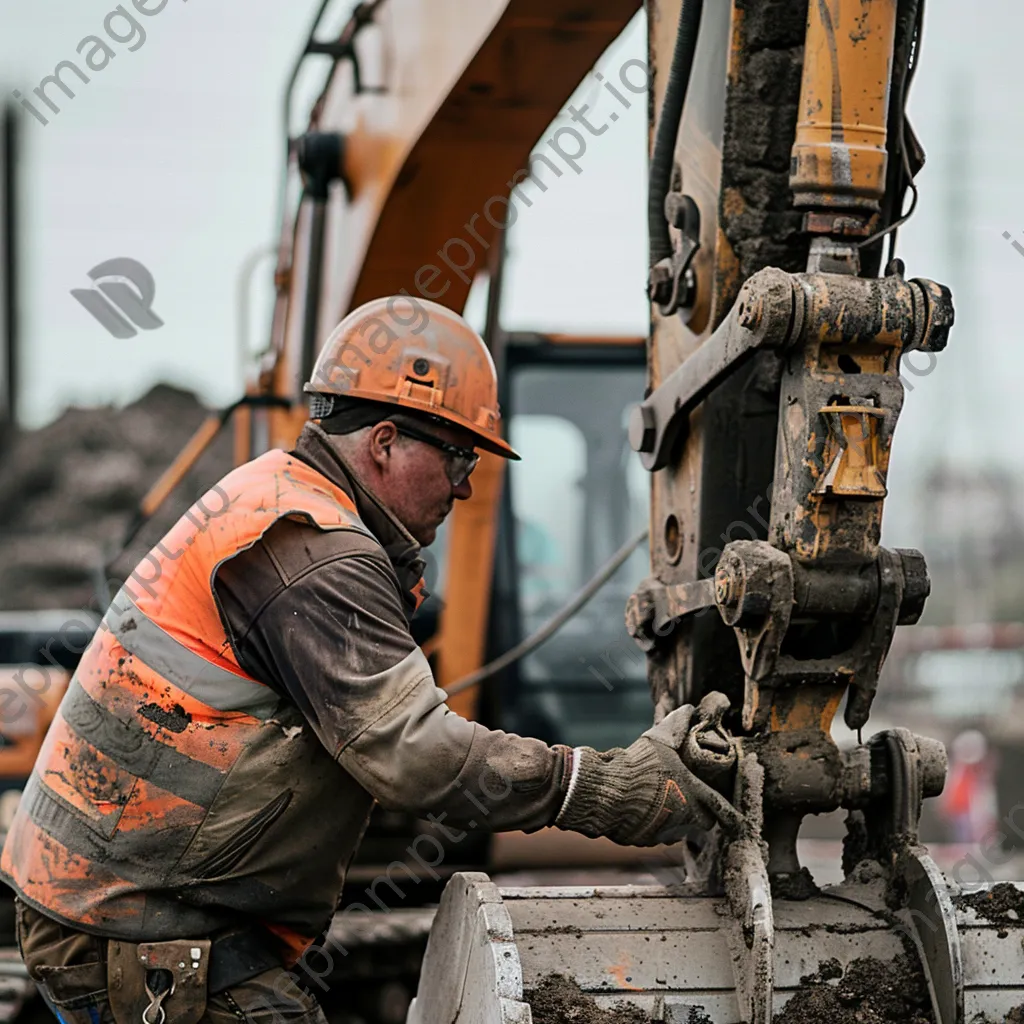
(9, 258)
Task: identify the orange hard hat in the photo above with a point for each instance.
(418, 355)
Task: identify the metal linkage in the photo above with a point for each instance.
(761, 592)
(916, 893)
(814, 607)
(847, 326)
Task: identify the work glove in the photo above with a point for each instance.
(644, 794)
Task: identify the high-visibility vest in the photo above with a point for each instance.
(174, 793)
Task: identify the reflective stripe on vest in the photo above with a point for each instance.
(157, 715)
(139, 635)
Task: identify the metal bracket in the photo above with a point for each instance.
(765, 315)
(748, 891)
(656, 608)
(759, 590)
(671, 283)
(915, 767)
(854, 469)
(882, 317)
(344, 46)
(754, 585)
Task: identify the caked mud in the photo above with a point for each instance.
(559, 1000)
(869, 991)
(1002, 904)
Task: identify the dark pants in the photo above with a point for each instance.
(70, 970)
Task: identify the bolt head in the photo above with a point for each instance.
(659, 282)
(725, 585)
(642, 428)
(750, 311)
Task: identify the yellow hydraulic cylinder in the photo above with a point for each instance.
(839, 155)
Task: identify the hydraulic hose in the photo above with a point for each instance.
(668, 128)
(556, 622)
(900, 174)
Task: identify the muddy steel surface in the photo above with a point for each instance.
(758, 217)
(559, 1000)
(1002, 903)
(868, 992)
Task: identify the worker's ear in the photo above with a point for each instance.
(382, 436)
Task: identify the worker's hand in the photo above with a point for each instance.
(644, 794)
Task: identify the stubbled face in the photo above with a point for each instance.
(411, 478)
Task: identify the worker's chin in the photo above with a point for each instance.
(426, 535)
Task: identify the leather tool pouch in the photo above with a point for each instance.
(186, 960)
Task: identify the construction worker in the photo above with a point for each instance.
(254, 688)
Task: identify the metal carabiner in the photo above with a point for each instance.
(156, 1000)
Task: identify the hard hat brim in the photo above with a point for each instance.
(485, 440)
(498, 446)
(489, 442)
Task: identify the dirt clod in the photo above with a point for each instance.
(799, 886)
(176, 719)
(698, 1017)
(1015, 1016)
(828, 970)
(1002, 903)
(869, 991)
(559, 1000)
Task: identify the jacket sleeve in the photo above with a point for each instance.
(338, 642)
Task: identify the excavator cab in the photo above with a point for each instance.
(575, 499)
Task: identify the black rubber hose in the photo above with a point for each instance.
(668, 128)
(899, 176)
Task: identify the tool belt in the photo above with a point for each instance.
(169, 982)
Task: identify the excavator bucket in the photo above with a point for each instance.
(649, 953)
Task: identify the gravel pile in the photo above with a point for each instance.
(69, 491)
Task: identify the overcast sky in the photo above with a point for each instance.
(172, 155)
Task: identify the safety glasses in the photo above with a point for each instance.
(459, 462)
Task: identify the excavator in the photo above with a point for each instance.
(745, 440)
(763, 409)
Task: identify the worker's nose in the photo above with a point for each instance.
(463, 490)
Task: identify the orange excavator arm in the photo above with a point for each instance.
(424, 145)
